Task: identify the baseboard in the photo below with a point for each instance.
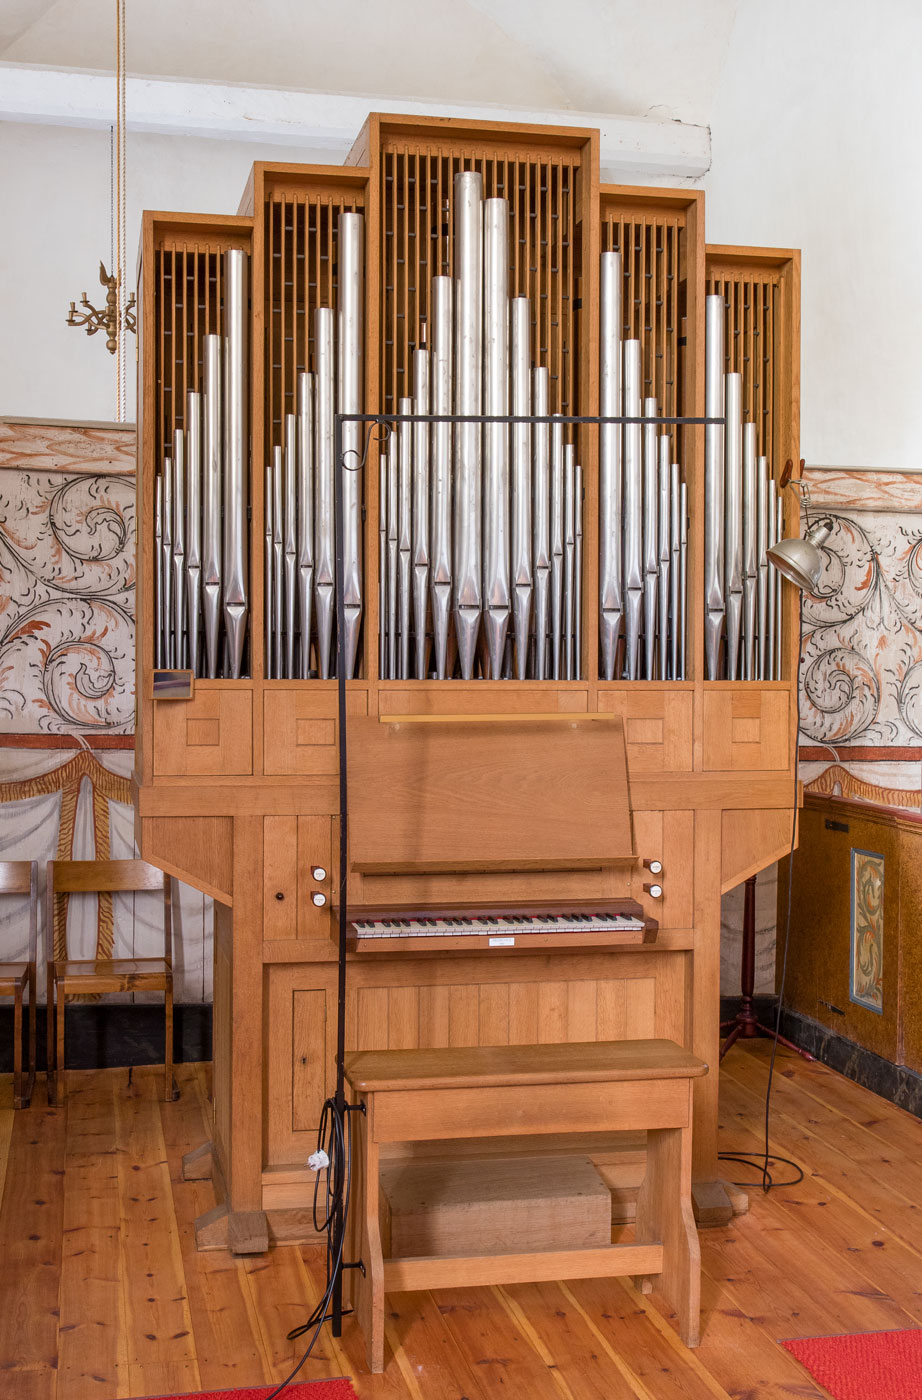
(895, 1083)
(112, 1034)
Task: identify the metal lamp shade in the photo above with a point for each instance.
(799, 560)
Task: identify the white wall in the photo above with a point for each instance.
(54, 229)
(815, 144)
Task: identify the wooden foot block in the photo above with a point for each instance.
(495, 1205)
(198, 1165)
(247, 1232)
(712, 1203)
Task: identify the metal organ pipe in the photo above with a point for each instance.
(213, 474)
(421, 544)
(733, 517)
(349, 400)
(278, 559)
(194, 537)
(522, 579)
(324, 573)
(610, 488)
(569, 555)
(664, 550)
(750, 562)
(468, 261)
(166, 563)
(650, 535)
(290, 535)
(557, 546)
(179, 548)
(541, 521)
(496, 435)
(305, 490)
(633, 510)
(236, 457)
(441, 391)
(158, 571)
(393, 494)
(404, 534)
(714, 483)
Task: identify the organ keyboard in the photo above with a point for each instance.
(620, 923)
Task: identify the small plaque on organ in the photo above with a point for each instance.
(173, 685)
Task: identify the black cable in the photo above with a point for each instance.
(767, 1181)
(330, 1135)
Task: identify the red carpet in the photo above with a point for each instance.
(339, 1389)
(864, 1366)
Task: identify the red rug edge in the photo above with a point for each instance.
(874, 1365)
(329, 1388)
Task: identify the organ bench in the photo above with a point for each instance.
(480, 1092)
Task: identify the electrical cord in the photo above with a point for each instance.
(767, 1181)
(335, 1140)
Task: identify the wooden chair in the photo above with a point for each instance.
(21, 877)
(78, 977)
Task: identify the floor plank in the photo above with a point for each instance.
(107, 1298)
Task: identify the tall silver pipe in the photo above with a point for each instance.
(733, 522)
(633, 510)
(421, 541)
(763, 567)
(166, 564)
(324, 559)
(522, 577)
(569, 555)
(213, 481)
(610, 439)
(268, 571)
(278, 562)
(714, 603)
(382, 566)
(236, 459)
(675, 564)
(750, 557)
(771, 597)
(404, 534)
(393, 542)
(557, 548)
(664, 524)
(441, 392)
(683, 582)
(350, 279)
(158, 570)
(305, 516)
(468, 252)
(578, 580)
(541, 520)
(779, 617)
(650, 535)
(290, 537)
(179, 547)
(194, 526)
(496, 593)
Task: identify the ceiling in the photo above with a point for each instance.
(658, 58)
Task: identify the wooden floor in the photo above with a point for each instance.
(103, 1295)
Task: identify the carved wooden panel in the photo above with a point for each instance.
(658, 727)
(299, 729)
(746, 729)
(207, 736)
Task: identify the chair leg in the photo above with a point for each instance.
(50, 1051)
(18, 1101)
(170, 1091)
(31, 1031)
(60, 1074)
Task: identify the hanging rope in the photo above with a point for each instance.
(120, 219)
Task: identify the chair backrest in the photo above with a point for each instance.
(21, 877)
(104, 877)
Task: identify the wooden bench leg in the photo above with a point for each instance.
(50, 1072)
(60, 1074)
(664, 1213)
(31, 1085)
(368, 1290)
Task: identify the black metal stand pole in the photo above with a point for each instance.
(339, 1097)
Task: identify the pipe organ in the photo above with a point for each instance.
(567, 664)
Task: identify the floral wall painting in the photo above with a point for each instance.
(867, 931)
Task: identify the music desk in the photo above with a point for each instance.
(492, 1091)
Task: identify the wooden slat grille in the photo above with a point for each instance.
(752, 321)
(189, 305)
(654, 292)
(301, 274)
(417, 217)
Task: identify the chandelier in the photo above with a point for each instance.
(118, 314)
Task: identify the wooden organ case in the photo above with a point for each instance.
(236, 785)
